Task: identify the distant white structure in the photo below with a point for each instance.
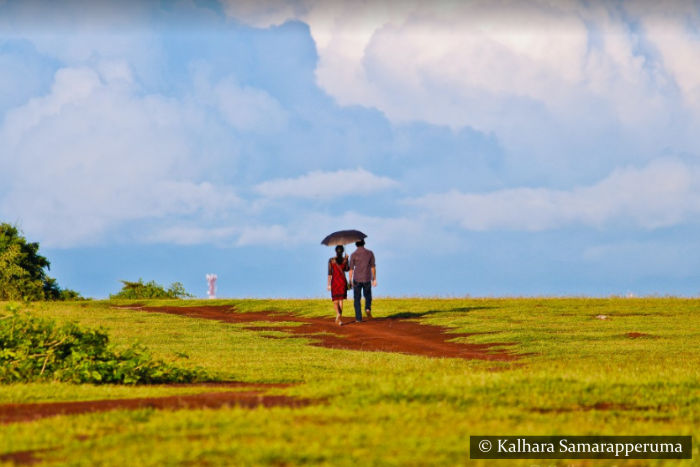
(211, 279)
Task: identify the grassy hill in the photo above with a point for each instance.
(584, 367)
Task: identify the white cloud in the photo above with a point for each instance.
(536, 50)
(245, 108)
(248, 109)
(676, 41)
(266, 13)
(542, 75)
(243, 234)
(662, 194)
(115, 70)
(326, 185)
(70, 85)
(94, 153)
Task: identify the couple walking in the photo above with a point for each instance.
(363, 275)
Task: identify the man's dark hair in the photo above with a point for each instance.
(360, 243)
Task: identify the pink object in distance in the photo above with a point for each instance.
(211, 279)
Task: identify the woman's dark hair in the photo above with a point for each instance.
(339, 250)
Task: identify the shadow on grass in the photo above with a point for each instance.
(415, 314)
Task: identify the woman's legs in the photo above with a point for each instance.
(338, 305)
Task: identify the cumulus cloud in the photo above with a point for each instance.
(248, 109)
(672, 29)
(534, 49)
(94, 153)
(542, 75)
(326, 185)
(662, 194)
(245, 108)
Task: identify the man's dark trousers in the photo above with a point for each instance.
(359, 289)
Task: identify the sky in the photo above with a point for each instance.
(486, 148)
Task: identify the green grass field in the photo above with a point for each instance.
(578, 376)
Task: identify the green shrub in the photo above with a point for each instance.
(68, 294)
(139, 289)
(38, 349)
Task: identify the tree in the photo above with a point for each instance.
(23, 270)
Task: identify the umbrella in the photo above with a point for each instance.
(343, 237)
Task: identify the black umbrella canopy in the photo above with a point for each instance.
(343, 237)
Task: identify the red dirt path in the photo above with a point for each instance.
(11, 413)
(392, 334)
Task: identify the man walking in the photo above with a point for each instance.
(363, 275)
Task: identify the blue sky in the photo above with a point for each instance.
(546, 148)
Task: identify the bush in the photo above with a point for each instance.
(22, 274)
(138, 290)
(37, 349)
(68, 294)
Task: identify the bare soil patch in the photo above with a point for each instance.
(636, 335)
(586, 408)
(12, 413)
(391, 334)
(28, 457)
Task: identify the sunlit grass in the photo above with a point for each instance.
(384, 408)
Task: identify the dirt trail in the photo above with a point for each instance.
(393, 334)
(251, 398)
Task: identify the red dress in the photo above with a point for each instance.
(339, 284)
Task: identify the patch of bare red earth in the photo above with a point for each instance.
(253, 397)
(390, 334)
(29, 457)
(586, 408)
(637, 335)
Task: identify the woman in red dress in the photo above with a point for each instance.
(337, 282)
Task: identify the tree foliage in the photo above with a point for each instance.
(141, 290)
(23, 271)
(37, 349)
